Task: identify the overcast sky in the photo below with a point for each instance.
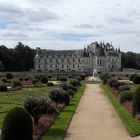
(70, 24)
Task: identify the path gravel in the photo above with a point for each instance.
(96, 119)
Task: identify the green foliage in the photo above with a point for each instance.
(3, 87)
(124, 87)
(36, 106)
(65, 98)
(4, 80)
(16, 83)
(62, 78)
(34, 81)
(71, 92)
(17, 125)
(136, 79)
(131, 124)
(131, 60)
(136, 102)
(56, 95)
(59, 128)
(132, 77)
(44, 79)
(125, 96)
(9, 76)
(75, 82)
(50, 84)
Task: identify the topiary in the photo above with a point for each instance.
(50, 84)
(71, 92)
(126, 95)
(44, 79)
(9, 76)
(4, 80)
(17, 125)
(3, 87)
(17, 83)
(136, 102)
(65, 98)
(136, 79)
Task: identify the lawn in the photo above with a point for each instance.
(130, 123)
(11, 99)
(60, 126)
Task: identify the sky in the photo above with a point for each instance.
(70, 24)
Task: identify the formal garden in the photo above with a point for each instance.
(124, 93)
(43, 100)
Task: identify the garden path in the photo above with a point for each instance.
(96, 119)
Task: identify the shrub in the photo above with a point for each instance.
(75, 83)
(83, 76)
(44, 79)
(16, 83)
(63, 78)
(21, 79)
(50, 84)
(56, 95)
(124, 87)
(136, 79)
(3, 87)
(17, 125)
(136, 102)
(34, 81)
(36, 106)
(104, 78)
(4, 80)
(65, 98)
(64, 86)
(71, 92)
(26, 79)
(50, 76)
(9, 76)
(126, 95)
(112, 82)
(132, 77)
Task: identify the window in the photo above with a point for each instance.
(67, 66)
(73, 60)
(50, 66)
(51, 60)
(38, 66)
(39, 60)
(62, 60)
(62, 66)
(68, 60)
(73, 66)
(78, 60)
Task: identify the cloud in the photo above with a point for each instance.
(119, 20)
(86, 26)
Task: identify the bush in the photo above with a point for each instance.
(104, 78)
(136, 102)
(44, 79)
(56, 95)
(62, 78)
(50, 76)
(9, 76)
(71, 92)
(126, 95)
(17, 125)
(75, 83)
(136, 79)
(132, 77)
(36, 106)
(83, 76)
(65, 98)
(21, 79)
(3, 87)
(16, 83)
(112, 82)
(34, 81)
(4, 80)
(124, 87)
(50, 84)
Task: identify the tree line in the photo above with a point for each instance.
(21, 58)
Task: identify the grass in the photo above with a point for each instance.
(130, 123)
(91, 82)
(11, 99)
(60, 126)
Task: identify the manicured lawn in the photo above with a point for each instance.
(130, 123)
(91, 82)
(11, 99)
(59, 128)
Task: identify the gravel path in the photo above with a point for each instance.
(96, 119)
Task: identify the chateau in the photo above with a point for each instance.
(94, 57)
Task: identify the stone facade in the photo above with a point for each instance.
(94, 57)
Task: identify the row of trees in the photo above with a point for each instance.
(21, 58)
(131, 60)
